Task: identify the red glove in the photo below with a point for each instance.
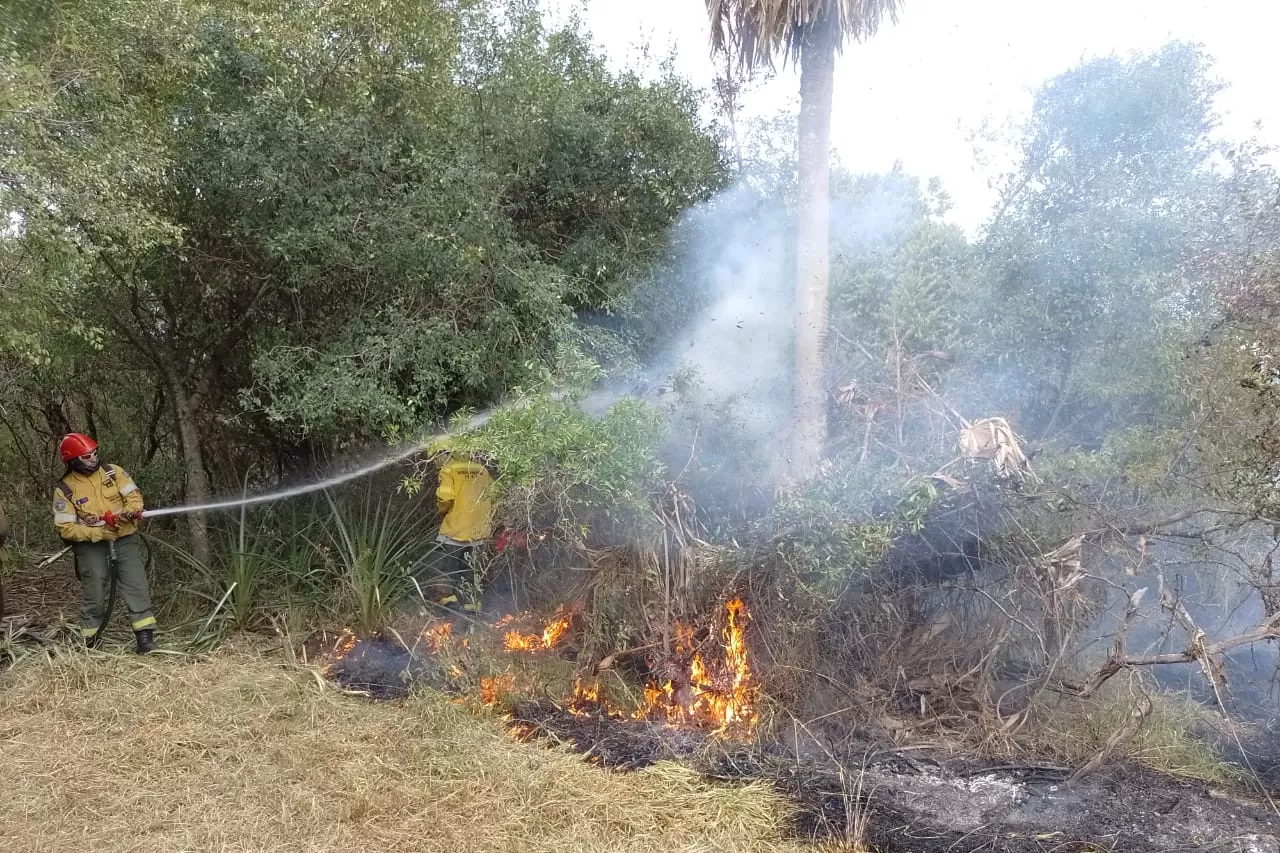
(113, 519)
(508, 538)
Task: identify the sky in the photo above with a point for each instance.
(922, 90)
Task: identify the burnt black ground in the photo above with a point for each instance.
(922, 804)
(381, 667)
(911, 802)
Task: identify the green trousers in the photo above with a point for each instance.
(441, 571)
(94, 572)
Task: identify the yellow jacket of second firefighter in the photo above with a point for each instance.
(463, 496)
(80, 500)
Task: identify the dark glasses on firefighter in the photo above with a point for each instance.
(91, 456)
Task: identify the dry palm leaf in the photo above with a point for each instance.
(754, 31)
(994, 439)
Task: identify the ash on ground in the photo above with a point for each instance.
(921, 804)
(381, 667)
(904, 800)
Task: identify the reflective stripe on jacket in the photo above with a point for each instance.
(80, 500)
(463, 496)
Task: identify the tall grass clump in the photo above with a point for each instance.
(372, 546)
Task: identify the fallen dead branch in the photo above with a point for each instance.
(1143, 529)
(1197, 651)
(609, 660)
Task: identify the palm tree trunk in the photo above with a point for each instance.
(813, 245)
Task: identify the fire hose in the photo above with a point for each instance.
(113, 570)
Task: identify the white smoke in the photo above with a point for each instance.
(739, 345)
(731, 271)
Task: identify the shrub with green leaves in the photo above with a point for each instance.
(564, 471)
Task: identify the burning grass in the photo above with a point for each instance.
(722, 695)
(703, 683)
(545, 638)
(238, 752)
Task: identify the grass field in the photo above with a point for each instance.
(242, 751)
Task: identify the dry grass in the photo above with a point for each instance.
(1168, 739)
(242, 753)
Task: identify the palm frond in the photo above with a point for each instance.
(755, 31)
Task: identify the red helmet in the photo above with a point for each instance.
(76, 444)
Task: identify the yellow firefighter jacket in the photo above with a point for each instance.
(463, 497)
(79, 501)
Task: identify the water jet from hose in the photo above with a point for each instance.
(398, 455)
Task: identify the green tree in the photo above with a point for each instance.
(1234, 367)
(902, 282)
(1086, 307)
(595, 165)
(314, 223)
(182, 160)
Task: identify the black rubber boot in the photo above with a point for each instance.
(146, 641)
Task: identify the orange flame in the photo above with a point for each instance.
(514, 641)
(722, 695)
(585, 700)
(522, 731)
(743, 690)
(438, 635)
(344, 644)
(716, 691)
(493, 687)
(341, 648)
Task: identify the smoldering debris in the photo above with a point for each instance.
(921, 802)
(612, 742)
(380, 667)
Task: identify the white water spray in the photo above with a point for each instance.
(303, 489)
(398, 455)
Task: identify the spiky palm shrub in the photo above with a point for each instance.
(374, 545)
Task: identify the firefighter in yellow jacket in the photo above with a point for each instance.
(463, 497)
(96, 509)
